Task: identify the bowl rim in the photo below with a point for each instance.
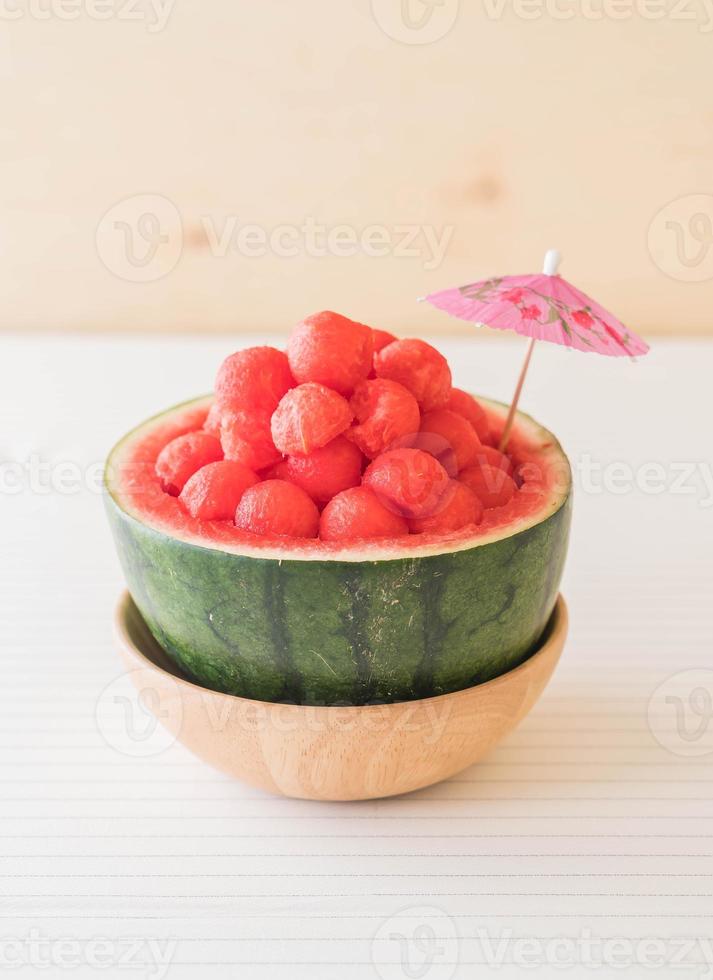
(554, 632)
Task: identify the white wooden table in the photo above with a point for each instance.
(594, 818)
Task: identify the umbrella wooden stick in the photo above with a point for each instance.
(552, 260)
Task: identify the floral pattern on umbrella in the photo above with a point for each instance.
(544, 307)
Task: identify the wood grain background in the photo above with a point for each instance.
(495, 131)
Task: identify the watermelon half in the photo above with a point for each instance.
(312, 622)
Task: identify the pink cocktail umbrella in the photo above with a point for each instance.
(541, 307)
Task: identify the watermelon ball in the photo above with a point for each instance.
(420, 368)
(380, 338)
(465, 405)
(462, 508)
(246, 438)
(528, 476)
(409, 482)
(436, 445)
(278, 471)
(326, 471)
(357, 515)
(457, 433)
(493, 456)
(214, 491)
(308, 417)
(181, 457)
(213, 420)
(385, 411)
(492, 485)
(255, 378)
(278, 508)
(331, 350)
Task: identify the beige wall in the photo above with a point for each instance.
(507, 134)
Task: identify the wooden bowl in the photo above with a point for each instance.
(336, 753)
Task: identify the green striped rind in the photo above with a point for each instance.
(330, 631)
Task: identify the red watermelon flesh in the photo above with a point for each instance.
(460, 508)
(279, 509)
(491, 484)
(214, 491)
(406, 444)
(246, 437)
(331, 350)
(410, 482)
(380, 338)
(214, 420)
(385, 411)
(491, 455)
(464, 404)
(252, 379)
(132, 474)
(420, 368)
(181, 457)
(308, 417)
(358, 515)
(326, 471)
(457, 433)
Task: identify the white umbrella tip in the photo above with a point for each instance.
(552, 261)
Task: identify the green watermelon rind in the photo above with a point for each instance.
(346, 630)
